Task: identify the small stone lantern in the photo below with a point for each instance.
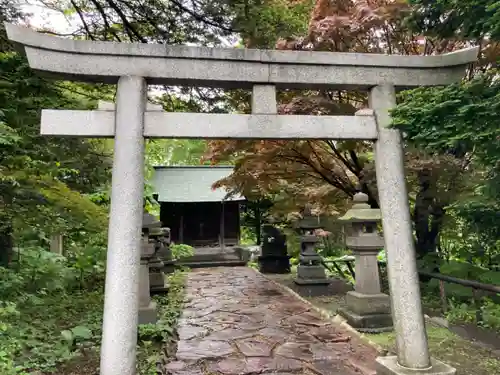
(368, 309)
(147, 307)
(310, 270)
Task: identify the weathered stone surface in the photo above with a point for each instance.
(238, 323)
(231, 334)
(295, 350)
(187, 332)
(202, 349)
(256, 347)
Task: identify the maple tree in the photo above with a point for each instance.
(329, 172)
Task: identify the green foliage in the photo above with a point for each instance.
(329, 247)
(460, 122)
(50, 316)
(46, 317)
(45, 320)
(248, 236)
(456, 118)
(471, 19)
(461, 270)
(152, 337)
(292, 243)
(75, 335)
(488, 316)
(44, 180)
(262, 23)
(490, 312)
(181, 250)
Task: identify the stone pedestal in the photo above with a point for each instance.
(311, 274)
(368, 309)
(157, 282)
(147, 307)
(274, 264)
(390, 366)
(169, 266)
(368, 312)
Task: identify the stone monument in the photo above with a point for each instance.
(274, 256)
(132, 66)
(310, 270)
(368, 309)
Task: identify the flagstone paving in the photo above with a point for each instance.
(237, 322)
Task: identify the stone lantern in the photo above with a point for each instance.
(368, 309)
(310, 270)
(157, 282)
(163, 250)
(147, 307)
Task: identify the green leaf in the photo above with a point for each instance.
(81, 332)
(67, 336)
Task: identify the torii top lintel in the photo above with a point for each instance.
(232, 67)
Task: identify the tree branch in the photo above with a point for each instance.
(82, 18)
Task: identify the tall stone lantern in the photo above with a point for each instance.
(310, 270)
(368, 309)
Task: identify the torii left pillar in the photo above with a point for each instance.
(121, 302)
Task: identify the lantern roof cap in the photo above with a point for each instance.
(150, 222)
(361, 211)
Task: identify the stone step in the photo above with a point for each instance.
(211, 263)
(207, 257)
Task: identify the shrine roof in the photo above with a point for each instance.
(190, 184)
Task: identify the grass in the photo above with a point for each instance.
(31, 340)
(34, 333)
(466, 357)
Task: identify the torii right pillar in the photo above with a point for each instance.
(408, 318)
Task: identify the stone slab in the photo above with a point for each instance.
(365, 304)
(301, 281)
(372, 323)
(390, 366)
(148, 314)
(215, 126)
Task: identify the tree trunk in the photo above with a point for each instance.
(372, 200)
(258, 225)
(428, 215)
(6, 243)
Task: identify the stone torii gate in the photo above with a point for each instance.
(133, 66)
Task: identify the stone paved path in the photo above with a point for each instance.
(236, 322)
